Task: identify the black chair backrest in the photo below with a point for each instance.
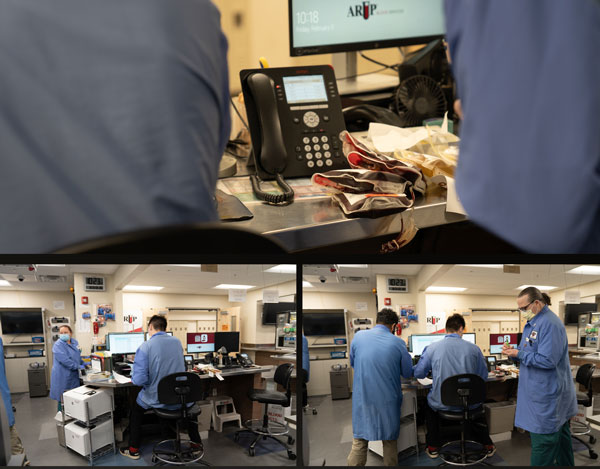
(584, 375)
(463, 390)
(200, 238)
(180, 388)
(283, 375)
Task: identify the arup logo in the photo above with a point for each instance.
(365, 10)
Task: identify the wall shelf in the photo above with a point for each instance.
(42, 344)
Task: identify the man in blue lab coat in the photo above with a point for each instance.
(113, 118)
(159, 356)
(546, 398)
(527, 73)
(306, 368)
(379, 359)
(449, 357)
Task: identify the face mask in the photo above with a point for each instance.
(65, 337)
(528, 314)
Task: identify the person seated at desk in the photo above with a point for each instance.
(449, 357)
(114, 118)
(159, 356)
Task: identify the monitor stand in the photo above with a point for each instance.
(345, 65)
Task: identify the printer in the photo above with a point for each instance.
(85, 403)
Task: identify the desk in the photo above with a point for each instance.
(578, 358)
(237, 382)
(268, 355)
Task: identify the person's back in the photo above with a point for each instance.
(527, 75)
(113, 117)
(161, 355)
(449, 357)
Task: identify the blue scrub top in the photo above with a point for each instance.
(527, 73)
(114, 116)
(156, 358)
(305, 357)
(546, 395)
(4, 389)
(66, 363)
(445, 358)
(379, 359)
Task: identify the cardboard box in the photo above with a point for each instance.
(500, 416)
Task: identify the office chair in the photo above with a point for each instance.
(463, 391)
(264, 429)
(205, 238)
(579, 429)
(179, 388)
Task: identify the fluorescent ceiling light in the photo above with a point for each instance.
(283, 269)
(444, 289)
(353, 266)
(585, 270)
(142, 288)
(539, 287)
(186, 265)
(486, 266)
(228, 286)
(306, 284)
(4, 283)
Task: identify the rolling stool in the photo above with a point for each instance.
(579, 429)
(178, 388)
(264, 429)
(463, 391)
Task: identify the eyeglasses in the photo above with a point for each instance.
(524, 308)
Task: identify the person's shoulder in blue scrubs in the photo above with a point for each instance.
(114, 118)
(527, 73)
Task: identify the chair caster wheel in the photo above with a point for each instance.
(291, 455)
(592, 440)
(251, 451)
(314, 411)
(290, 440)
(593, 455)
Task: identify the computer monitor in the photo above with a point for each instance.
(167, 332)
(497, 341)
(469, 337)
(200, 342)
(420, 341)
(229, 340)
(322, 27)
(124, 343)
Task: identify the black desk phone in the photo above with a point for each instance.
(244, 360)
(295, 118)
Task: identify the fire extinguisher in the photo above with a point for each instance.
(96, 327)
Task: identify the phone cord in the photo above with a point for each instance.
(286, 198)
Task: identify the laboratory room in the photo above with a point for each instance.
(449, 364)
(143, 364)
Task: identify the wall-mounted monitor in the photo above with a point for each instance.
(333, 324)
(572, 311)
(271, 310)
(22, 321)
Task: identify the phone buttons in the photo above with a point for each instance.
(329, 162)
(299, 157)
(319, 163)
(315, 139)
(309, 156)
(327, 154)
(310, 164)
(307, 148)
(298, 149)
(317, 147)
(311, 119)
(326, 146)
(326, 118)
(306, 140)
(318, 155)
(324, 139)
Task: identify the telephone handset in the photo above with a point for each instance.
(295, 118)
(244, 360)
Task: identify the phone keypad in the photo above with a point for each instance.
(319, 150)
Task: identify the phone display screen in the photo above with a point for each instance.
(305, 89)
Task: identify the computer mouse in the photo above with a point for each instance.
(359, 117)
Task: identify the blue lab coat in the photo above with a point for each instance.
(445, 358)
(546, 396)
(527, 74)
(305, 357)
(379, 359)
(114, 116)
(65, 368)
(4, 389)
(156, 358)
